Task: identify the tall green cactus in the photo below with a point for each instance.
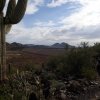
(15, 12)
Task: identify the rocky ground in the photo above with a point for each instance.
(81, 89)
(71, 89)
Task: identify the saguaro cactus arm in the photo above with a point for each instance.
(18, 12)
(2, 4)
(10, 11)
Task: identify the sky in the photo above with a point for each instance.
(51, 21)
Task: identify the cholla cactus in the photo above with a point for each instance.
(15, 12)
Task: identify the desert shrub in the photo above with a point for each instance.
(53, 62)
(5, 97)
(29, 67)
(96, 47)
(76, 62)
(89, 73)
(77, 59)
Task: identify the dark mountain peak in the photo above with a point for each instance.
(16, 44)
(61, 45)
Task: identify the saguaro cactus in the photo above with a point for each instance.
(15, 12)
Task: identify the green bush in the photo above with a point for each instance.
(74, 63)
(89, 73)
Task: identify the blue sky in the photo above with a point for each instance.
(51, 21)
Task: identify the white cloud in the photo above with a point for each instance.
(88, 15)
(20, 33)
(45, 24)
(55, 3)
(35, 34)
(33, 6)
(84, 24)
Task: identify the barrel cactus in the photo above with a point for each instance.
(14, 14)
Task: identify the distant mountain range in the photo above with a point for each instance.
(19, 46)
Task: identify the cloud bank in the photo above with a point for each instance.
(81, 25)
